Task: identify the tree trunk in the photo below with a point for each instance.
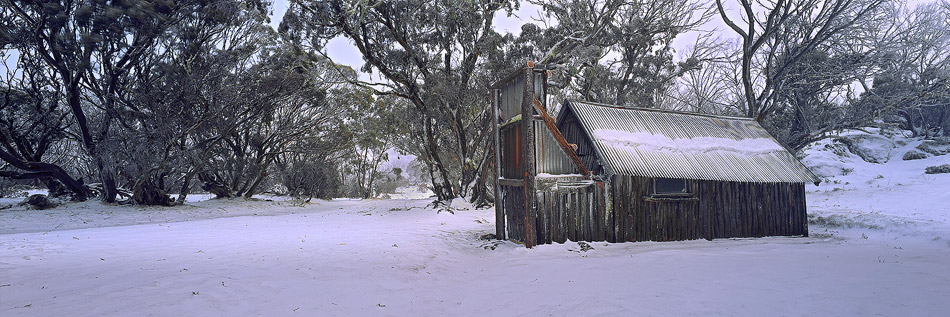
(910, 122)
(257, 182)
(212, 185)
(39, 170)
(109, 187)
(447, 192)
(146, 193)
(185, 188)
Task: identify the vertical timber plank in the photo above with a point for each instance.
(500, 233)
(527, 128)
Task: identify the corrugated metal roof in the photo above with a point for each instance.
(672, 144)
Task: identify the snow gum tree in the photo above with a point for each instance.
(92, 46)
(777, 35)
(375, 126)
(616, 52)
(913, 81)
(33, 123)
(156, 93)
(431, 54)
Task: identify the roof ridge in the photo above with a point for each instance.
(688, 113)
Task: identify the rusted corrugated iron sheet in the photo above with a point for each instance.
(669, 144)
(550, 158)
(510, 100)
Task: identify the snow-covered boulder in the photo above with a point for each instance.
(826, 158)
(914, 155)
(871, 148)
(936, 147)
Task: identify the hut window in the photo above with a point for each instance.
(669, 186)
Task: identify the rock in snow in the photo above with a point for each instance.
(39, 202)
(871, 148)
(936, 147)
(914, 155)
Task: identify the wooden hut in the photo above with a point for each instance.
(601, 172)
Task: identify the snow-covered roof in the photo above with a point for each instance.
(672, 144)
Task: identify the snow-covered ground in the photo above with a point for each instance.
(895, 197)
(878, 246)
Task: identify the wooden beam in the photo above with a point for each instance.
(527, 134)
(511, 182)
(499, 208)
(552, 126)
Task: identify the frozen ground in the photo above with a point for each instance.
(878, 246)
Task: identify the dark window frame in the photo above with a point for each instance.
(684, 192)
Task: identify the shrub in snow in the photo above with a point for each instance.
(914, 155)
(839, 221)
(838, 148)
(279, 190)
(938, 169)
(461, 204)
(584, 246)
(14, 191)
(316, 179)
(936, 147)
(39, 202)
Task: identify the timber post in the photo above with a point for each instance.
(500, 233)
(527, 139)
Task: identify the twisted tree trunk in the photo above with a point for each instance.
(39, 170)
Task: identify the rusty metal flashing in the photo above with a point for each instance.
(608, 169)
(552, 126)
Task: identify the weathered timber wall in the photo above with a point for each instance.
(511, 198)
(717, 210)
(570, 209)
